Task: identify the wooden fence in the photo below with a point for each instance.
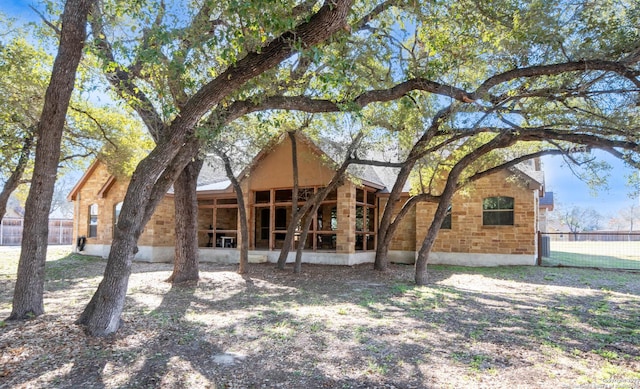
(60, 231)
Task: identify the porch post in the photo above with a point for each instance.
(346, 234)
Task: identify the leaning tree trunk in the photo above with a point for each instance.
(450, 188)
(151, 179)
(316, 201)
(28, 294)
(421, 277)
(297, 268)
(101, 316)
(14, 179)
(419, 149)
(243, 267)
(296, 214)
(185, 263)
(385, 228)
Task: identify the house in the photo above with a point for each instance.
(494, 223)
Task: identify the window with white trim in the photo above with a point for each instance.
(93, 220)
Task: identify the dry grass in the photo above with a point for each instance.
(335, 327)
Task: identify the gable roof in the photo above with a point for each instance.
(85, 177)
(213, 179)
(526, 171)
(221, 184)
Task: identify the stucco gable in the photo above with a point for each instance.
(273, 168)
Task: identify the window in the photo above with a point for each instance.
(116, 215)
(497, 211)
(93, 220)
(263, 197)
(218, 222)
(446, 223)
(273, 210)
(365, 219)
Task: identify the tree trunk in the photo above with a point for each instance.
(385, 231)
(243, 266)
(450, 188)
(297, 268)
(419, 149)
(155, 173)
(28, 294)
(316, 201)
(421, 275)
(14, 179)
(185, 264)
(102, 315)
(296, 215)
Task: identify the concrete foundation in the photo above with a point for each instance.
(232, 256)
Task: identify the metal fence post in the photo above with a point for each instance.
(539, 259)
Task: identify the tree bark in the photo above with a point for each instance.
(15, 177)
(102, 315)
(419, 149)
(311, 206)
(185, 263)
(243, 266)
(28, 294)
(386, 228)
(296, 214)
(297, 268)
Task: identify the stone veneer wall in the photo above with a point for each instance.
(468, 235)
(161, 229)
(158, 232)
(404, 238)
(346, 209)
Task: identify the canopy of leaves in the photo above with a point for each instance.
(554, 74)
(24, 79)
(91, 130)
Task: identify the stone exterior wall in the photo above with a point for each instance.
(161, 229)
(405, 237)
(158, 232)
(469, 235)
(346, 234)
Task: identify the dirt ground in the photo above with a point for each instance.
(331, 327)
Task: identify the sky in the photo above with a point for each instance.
(19, 9)
(568, 190)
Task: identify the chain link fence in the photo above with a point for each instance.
(610, 250)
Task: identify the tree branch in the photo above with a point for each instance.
(46, 21)
(369, 162)
(555, 69)
(97, 123)
(121, 81)
(380, 8)
(509, 164)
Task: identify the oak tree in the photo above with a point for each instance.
(28, 295)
